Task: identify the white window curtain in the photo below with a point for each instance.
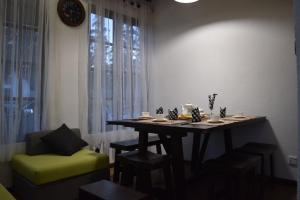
(117, 74)
(21, 69)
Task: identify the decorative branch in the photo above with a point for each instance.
(211, 99)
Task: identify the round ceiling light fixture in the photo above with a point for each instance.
(186, 1)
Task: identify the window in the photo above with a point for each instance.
(108, 58)
(21, 68)
(120, 66)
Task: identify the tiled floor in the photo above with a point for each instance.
(281, 192)
(278, 191)
(197, 190)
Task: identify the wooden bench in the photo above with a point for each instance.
(107, 190)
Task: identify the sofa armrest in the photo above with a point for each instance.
(4, 194)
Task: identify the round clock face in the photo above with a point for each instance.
(71, 12)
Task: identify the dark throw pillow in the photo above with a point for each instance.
(63, 141)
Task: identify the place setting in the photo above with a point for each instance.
(200, 118)
(238, 117)
(171, 118)
(145, 116)
(194, 115)
(161, 118)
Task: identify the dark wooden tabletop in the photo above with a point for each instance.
(185, 126)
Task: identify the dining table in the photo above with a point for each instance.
(171, 133)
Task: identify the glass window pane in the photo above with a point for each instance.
(108, 30)
(136, 37)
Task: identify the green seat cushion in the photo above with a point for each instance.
(46, 168)
(4, 194)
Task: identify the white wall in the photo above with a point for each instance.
(297, 17)
(241, 49)
(68, 53)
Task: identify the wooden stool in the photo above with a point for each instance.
(263, 150)
(140, 164)
(130, 145)
(106, 190)
(238, 170)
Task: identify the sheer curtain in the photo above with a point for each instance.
(52, 93)
(21, 69)
(118, 58)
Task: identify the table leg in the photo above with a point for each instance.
(164, 140)
(195, 150)
(228, 140)
(178, 166)
(143, 141)
(203, 150)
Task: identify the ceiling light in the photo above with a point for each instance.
(186, 1)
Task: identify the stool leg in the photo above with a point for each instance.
(251, 185)
(158, 148)
(143, 180)
(240, 192)
(211, 189)
(116, 175)
(127, 176)
(271, 166)
(229, 187)
(168, 181)
(261, 185)
(262, 170)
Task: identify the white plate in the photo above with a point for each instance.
(143, 117)
(160, 120)
(238, 116)
(215, 121)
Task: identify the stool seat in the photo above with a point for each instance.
(106, 190)
(238, 162)
(140, 165)
(259, 148)
(262, 149)
(146, 159)
(237, 172)
(130, 145)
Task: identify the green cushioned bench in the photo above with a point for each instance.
(4, 194)
(39, 174)
(46, 168)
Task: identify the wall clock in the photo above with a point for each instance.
(71, 12)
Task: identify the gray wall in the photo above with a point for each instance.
(241, 49)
